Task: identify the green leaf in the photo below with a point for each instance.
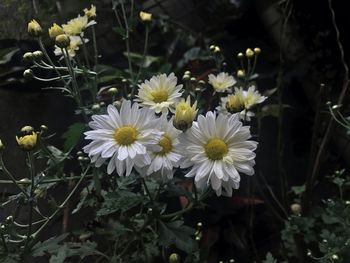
(72, 136)
(141, 61)
(7, 54)
(269, 259)
(178, 234)
(48, 246)
(298, 190)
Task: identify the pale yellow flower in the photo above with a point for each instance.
(55, 30)
(27, 141)
(77, 25)
(251, 97)
(222, 82)
(90, 13)
(73, 47)
(144, 16)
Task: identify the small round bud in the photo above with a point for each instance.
(198, 238)
(186, 77)
(102, 103)
(217, 50)
(232, 260)
(86, 159)
(347, 202)
(335, 257)
(224, 64)
(193, 80)
(112, 91)
(27, 138)
(124, 80)
(145, 17)
(212, 48)
(240, 55)
(295, 208)
(187, 72)
(2, 147)
(249, 53)
(201, 82)
(309, 253)
(257, 50)
(149, 210)
(28, 57)
(44, 128)
(38, 55)
(80, 153)
(336, 107)
(25, 182)
(174, 258)
(2, 228)
(328, 103)
(80, 158)
(240, 73)
(28, 74)
(62, 41)
(199, 224)
(9, 219)
(95, 107)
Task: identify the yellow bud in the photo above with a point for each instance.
(240, 55)
(249, 53)
(174, 258)
(235, 103)
(145, 17)
(240, 73)
(257, 50)
(112, 91)
(38, 55)
(62, 41)
(185, 114)
(55, 31)
(186, 77)
(34, 28)
(90, 13)
(27, 138)
(216, 49)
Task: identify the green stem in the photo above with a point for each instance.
(49, 181)
(94, 42)
(178, 213)
(146, 189)
(85, 53)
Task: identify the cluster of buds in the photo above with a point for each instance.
(82, 157)
(33, 56)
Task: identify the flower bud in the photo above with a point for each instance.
(2, 147)
(174, 258)
(249, 53)
(193, 80)
(335, 257)
(187, 72)
(186, 77)
(240, 73)
(212, 48)
(113, 91)
(296, 209)
(28, 57)
(117, 104)
(38, 55)
(145, 17)
(201, 82)
(185, 114)
(9, 219)
(240, 55)
(62, 41)
(55, 31)
(235, 103)
(27, 138)
(43, 128)
(96, 107)
(90, 13)
(257, 50)
(28, 74)
(34, 28)
(80, 158)
(216, 49)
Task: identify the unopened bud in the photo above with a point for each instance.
(28, 57)
(96, 107)
(217, 49)
(212, 48)
(112, 91)
(34, 28)
(174, 258)
(257, 50)
(43, 128)
(186, 77)
(295, 208)
(38, 55)
(249, 53)
(240, 73)
(28, 74)
(240, 55)
(2, 147)
(62, 41)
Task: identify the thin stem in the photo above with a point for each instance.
(9, 175)
(146, 189)
(94, 43)
(49, 181)
(85, 53)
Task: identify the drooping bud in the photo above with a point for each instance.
(28, 57)
(38, 55)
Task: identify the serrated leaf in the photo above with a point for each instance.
(72, 136)
(178, 234)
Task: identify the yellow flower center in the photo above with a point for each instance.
(159, 95)
(125, 135)
(165, 143)
(216, 149)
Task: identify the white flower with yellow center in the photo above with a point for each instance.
(251, 97)
(74, 46)
(166, 155)
(123, 136)
(222, 82)
(218, 149)
(160, 93)
(77, 25)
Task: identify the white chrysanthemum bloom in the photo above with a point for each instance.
(123, 136)
(77, 25)
(74, 44)
(218, 148)
(167, 154)
(222, 82)
(160, 93)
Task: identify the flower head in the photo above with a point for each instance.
(222, 82)
(160, 93)
(74, 42)
(122, 136)
(217, 148)
(166, 154)
(252, 97)
(144, 16)
(55, 30)
(90, 13)
(77, 25)
(185, 114)
(27, 138)
(34, 28)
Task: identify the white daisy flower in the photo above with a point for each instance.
(218, 148)
(251, 97)
(123, 136)
(222, 82)
(167, 155)
(77, 25)
(160, 93)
